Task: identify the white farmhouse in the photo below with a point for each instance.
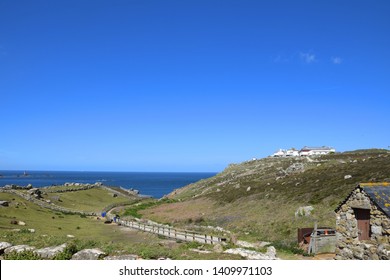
(313, 151)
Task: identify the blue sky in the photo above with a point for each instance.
(142, 85)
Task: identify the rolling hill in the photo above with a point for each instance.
(261, 199)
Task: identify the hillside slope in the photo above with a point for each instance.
(258, 200)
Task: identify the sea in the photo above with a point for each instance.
(154, 184)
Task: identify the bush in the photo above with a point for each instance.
(192, 245)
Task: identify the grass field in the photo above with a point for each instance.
(92, 200)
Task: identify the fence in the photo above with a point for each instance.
(169, 232)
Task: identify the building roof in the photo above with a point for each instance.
(316, 148)
(379, 194)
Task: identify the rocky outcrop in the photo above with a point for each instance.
(16, 187)
(89, 254)
(36, 193)
(50, 252)
(18, 249)
(295, 167)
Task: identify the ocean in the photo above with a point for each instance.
(155, 184)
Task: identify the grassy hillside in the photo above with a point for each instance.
(42, 227)
(93, 200)
(257, 200)
(56, 224)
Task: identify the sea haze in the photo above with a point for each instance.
(155, 184)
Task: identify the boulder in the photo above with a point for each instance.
(4, 203)
(271, 252)
(89, 254)
(3, 246)
(50, 252)
(304, 211)
(19, 249)
(35, 192)
(218, 248)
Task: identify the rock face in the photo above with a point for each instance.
(50, 252)
(89, 254)
(348, 244)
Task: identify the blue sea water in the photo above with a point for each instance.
(155, 184)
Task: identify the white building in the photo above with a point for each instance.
(313, 151)
(279, 153)
(305, 151)
(286, 153)
(292, 153)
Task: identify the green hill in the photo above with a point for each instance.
(258, 200)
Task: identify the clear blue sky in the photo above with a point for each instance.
(142, 85)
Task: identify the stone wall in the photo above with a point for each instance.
(348, 244)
